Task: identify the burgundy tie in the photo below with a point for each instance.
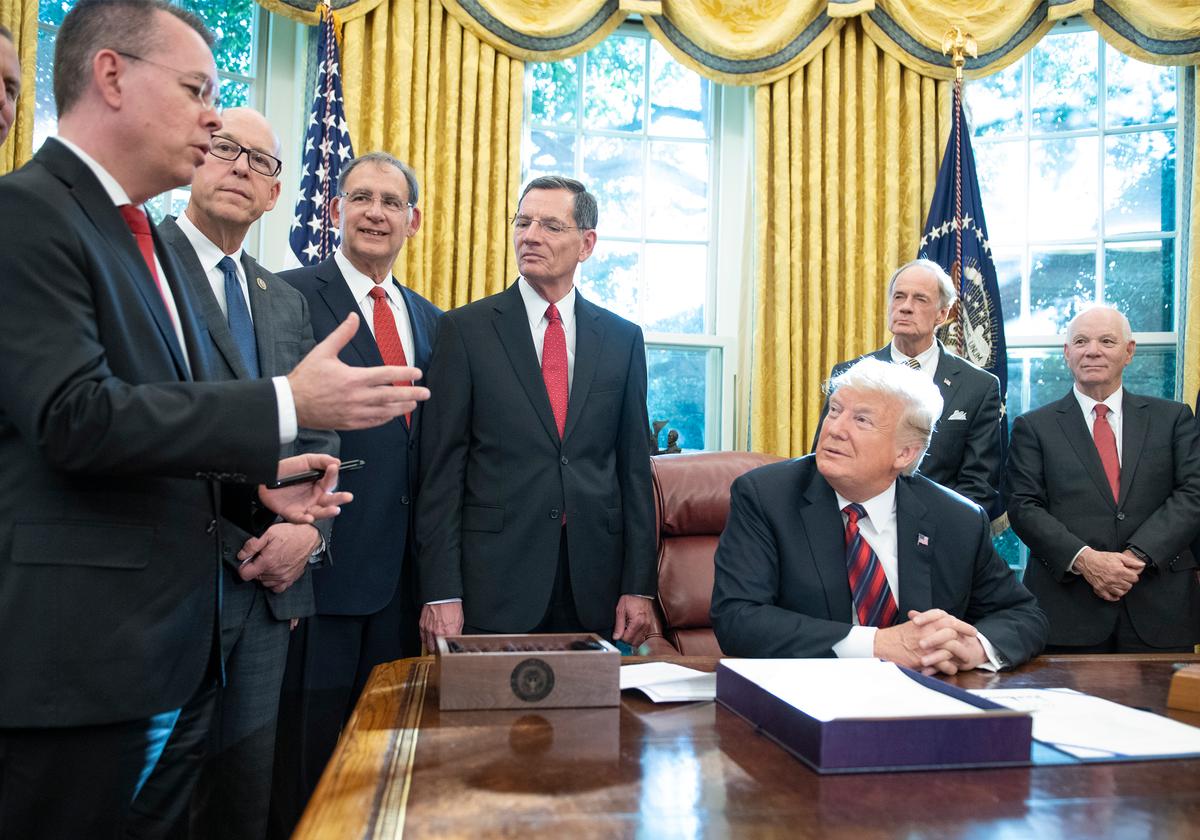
(1106, 445)
(139, 226)
(387, 337)
(873, 601)
(554, 367)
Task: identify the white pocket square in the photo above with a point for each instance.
(957, 415)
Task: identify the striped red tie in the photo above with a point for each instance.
(873, 601)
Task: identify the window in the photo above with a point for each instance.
(639, 129)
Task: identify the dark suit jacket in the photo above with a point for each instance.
(1059, 501)
(108, 542)
(283, 336)
(495, 478)
(369, 536)
(781, 588)
(964, 454)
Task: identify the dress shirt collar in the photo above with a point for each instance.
(115, 191)
(928, 357)
(1088, 405)
(361, 285)
(880, 509)
(206, 250)
(535, 306)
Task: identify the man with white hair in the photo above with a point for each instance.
(1104, 488)
(848, 552)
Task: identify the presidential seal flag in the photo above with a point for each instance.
(313, 236)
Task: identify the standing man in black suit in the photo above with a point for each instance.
(964, 454)
(112, 445)
(828, 554)
(535, 512)
(1104, 488)
(260, 328)
(10, 79)
(365, 603)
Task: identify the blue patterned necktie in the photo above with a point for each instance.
(240, 324)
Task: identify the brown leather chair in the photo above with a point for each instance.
(691, 497)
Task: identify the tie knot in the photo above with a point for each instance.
(913, 363)
(1101, 410)
(226, 265)
(552, 313)
(854, 512)
(377, 292)
(135, 218)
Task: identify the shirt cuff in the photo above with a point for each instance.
(445, 601)
(994, 662)
(289, 428)
(1071, 566)
(859, 643)
(317, 557)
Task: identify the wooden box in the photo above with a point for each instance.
(1185, 689)
(527, 671)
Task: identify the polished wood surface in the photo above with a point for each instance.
(696, 770)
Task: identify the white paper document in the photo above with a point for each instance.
(1088, 727)
(663, 682)
(826, 689)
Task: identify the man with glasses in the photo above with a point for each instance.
(535, 512)
(10, 78)
(365, 612)
(260, 328)
(117, 454)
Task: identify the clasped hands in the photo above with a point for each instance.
(933, 642)
(1111, 574)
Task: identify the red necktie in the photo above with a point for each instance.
(139, 226)
(1106, 445)
(554, 367)
(873, 601)
(387, 337)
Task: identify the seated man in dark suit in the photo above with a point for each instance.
(964, 453)
(797, 578)
(1104, 488)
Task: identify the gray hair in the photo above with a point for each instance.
(120, 25)
(946, 291)
(383, 159)
(1126, 330)
(920, 400)
(586, 212)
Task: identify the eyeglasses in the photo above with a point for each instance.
(200, 86)
(551, 226)
(365, 200)
(260, 162)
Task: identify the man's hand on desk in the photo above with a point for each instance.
(305, 503)
(279, 557)
(932, 642)
(330, 394)
(444, 619)
(1111, 574)
(633, 620)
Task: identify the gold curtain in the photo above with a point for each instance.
(21, 17)
(845, 163)
(422, 88)
(1189, 348)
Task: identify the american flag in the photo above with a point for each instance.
(326, 147)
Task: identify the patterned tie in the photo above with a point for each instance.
(554, 367)
(873, 601)
(1106, 445)
(240, 324)
(139, 226)
(913, 363)
(388, 337)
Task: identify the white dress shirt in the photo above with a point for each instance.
(928, 359)
(535, 309)
(210, 255)
(878, 528)
(1113, 401)
(360, 289)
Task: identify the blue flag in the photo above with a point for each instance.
(956, 238)
(313, 236)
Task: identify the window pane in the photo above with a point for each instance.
(1137, 93)
(1139, 279)
(677, 287)
(1065, 82)
(1008, 275)
(996, 103)
(678, 391)
(232, 22)
(1139, 182)
(677, 199)
(170, 203)
(1049, 378)
(45, 115)
(555, 96)
(1152, 372)
(1061, 282)
(612, 278)
(612, 168)
(1001, 170)
(1063, 193)
(53, 11)
(680, 100)
(553, 153)
(616, 78)
(234, 94)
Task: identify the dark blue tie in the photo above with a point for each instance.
(239, 317)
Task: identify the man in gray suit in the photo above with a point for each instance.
(260, 328)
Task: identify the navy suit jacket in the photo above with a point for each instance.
(781, 588)
(370, 537)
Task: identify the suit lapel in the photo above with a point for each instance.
(194, 333)
(915, 533)
(512, 327)
(1135, 423)
(336, 295)
(589, 338)
(945, 377)
(261, 296)
(1075, 430)
(827, 545)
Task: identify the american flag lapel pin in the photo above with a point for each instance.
(922, 540)
(946, 382)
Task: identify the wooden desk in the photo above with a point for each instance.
(696, 770)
